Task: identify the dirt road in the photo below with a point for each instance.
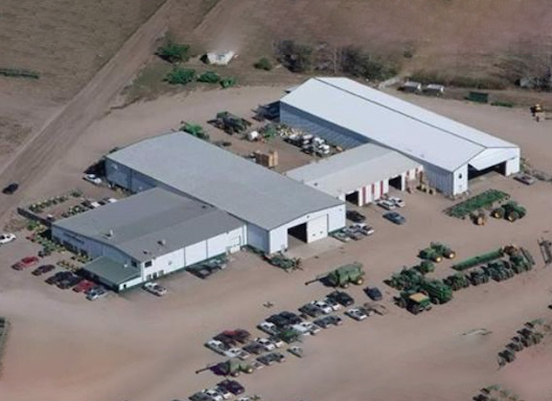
(32, 160)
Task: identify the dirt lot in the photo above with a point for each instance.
(138, 347)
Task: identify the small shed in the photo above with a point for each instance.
(220, 58)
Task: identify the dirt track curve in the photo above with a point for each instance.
(40, 153)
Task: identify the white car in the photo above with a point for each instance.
(268, 328)
(266, 343)
(96, 294)
(155, 289)
(218, 346)
(306, 328)
(397, 201)
(237, 353)
(93, 178)
(333, 304)
(386, 204)
(277, 341)
(323, 306)
(6, 238)
(214, 394)
(356, 313)
(225, 393)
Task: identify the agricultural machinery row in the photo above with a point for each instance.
(530, 334)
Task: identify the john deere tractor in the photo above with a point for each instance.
(342, 276)
(510, 211)
(437, 291)
(414, 302)
(457, 281)
(436, 252)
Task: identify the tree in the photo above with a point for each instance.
(359, 64)
(174, 52)
(263, 64)
(296, 57)
(181, 76)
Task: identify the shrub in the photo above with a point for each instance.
(180, 76)
(174, 52)
(209, 77)
(359, 64)
(263, 64)
(19, 73)
(295, 57)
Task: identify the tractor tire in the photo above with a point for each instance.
(401, 303)
(451, 255)
(249, 370)
(435, 301)
(345, 285)
(235, 374)
(498, 213)
(437, 259)
(359, 281)
(513, 216)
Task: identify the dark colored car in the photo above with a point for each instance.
(341, 298)
(10, 189)
(373, 293)
(278, 321)
(26, 262)
(254, 348)
(395, 217)
(68, 280)
(226, 339)
(326, 321)
(231, 385)
(43, 269)
(239, 335)
(291, 317)
(355, 216)
(200, 396)
(311, 310)
(276, 357)
(58, 277)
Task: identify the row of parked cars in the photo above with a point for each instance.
(62, 279)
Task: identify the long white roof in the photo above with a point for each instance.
(222, 179)
(348, 171)
(392, 122)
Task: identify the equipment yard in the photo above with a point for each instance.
(137, 347)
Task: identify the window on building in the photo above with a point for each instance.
(134, 264)
(148, 263)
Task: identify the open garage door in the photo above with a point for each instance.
(299, 232)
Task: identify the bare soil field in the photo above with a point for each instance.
(462, 36)
(139, 348)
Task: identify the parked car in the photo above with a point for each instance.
(267, 327)
(93, 178)
(306, 328)
(43, 269)
(26, 262)
(57, 277)
(200, 396)
(326, 321)
(96, 293)
(355, 216)
(83, 286)
(254, 348)
(223, 392)
(311, 310)
(214, 394)
(525, 179)
(297, 351)
(395, 217)
(324, 307)
(284, 319)
(386, 204)
(155, 289)
(341, 297)
(333, 304)
(6, 238)
(373, 293)
(363, 228)
(217, 346)
(398, 202)
(11, 188)
(357, 314)
(277, 341)
(266, 343)
(69, 281)
(270, 359)
(231, 385)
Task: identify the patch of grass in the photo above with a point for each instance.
(19, 73)
(502, 103)
(263, 64)
(180, 76)
(174, 52)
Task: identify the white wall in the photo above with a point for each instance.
(317, 228)
(195, 253)
(512, 166)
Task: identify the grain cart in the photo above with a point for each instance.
(510, 211)
(438, 292)
(457, 281)
(414, 302)
(342, 276)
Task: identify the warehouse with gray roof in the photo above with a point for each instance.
(271, 205)
(148, 235)
(349, 114)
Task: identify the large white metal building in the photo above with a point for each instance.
(272, 206)
(360, 175)
(149, 235)
(349, 114)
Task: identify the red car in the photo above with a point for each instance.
(26, 262)
(83, 286)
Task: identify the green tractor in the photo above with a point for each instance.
(342, 276)
(406, 278)
(510, 211)
(414, 302)
(230, 123)
(457, 281)
(436, 252)
(232, 367)
(437, 291)
(425, 267)
(478, 277)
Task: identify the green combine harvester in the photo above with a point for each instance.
(457, 281)
(342, 276)
(414, 302)
(438, 292)
(510, 211)
(479, 260)
(230, 123)
(195, 130)
(436, 252)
